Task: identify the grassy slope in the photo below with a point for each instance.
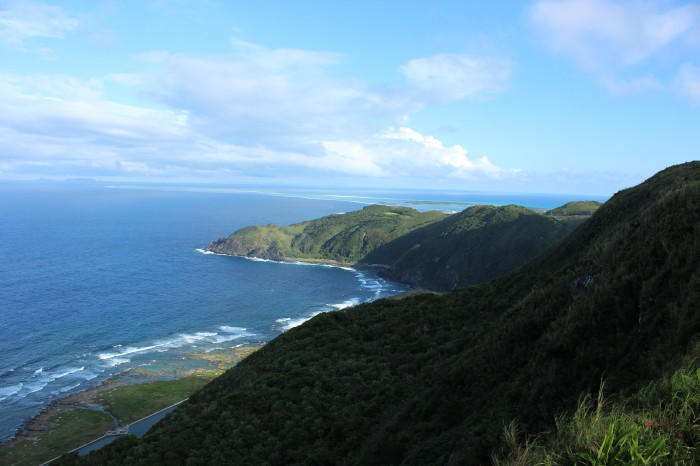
(575, 209)
(133, 402)
(658, 424)
(429, 249)
(433, 379)
(471, 247)
(341, 237)
(69, 429)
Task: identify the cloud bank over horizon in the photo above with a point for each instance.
(256, 107)
(437, 112)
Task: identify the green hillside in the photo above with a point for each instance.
(434, 379)
(473, 246)
(575, 209)
(430, 249)
(343, 238)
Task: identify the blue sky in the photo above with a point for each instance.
(572, 96)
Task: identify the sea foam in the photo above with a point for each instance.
(6, 392)
(289, 323)
(229, 329)
(113, 362)
(69, 388)
(174, 342)
(345, 304)
(128, 350)
(64, 373)
(34, 387)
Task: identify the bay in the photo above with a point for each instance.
(94, 281)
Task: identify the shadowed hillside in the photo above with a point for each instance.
(475, 245)
(433, 379)
(431, 250)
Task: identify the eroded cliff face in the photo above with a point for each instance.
(233, 247)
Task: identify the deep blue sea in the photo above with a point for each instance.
(95, 280)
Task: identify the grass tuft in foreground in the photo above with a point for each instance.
(659, 425)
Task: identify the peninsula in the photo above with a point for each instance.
(431, 250)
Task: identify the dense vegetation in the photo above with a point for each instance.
(582, 209)
(475, 245)
(433, 379)
(343, 238)
(430, 249)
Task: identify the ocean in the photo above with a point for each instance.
(96, 279)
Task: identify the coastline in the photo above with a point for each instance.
(355, 266)
(77, 419)
(303, 260)
(322, 261)
(307, 261)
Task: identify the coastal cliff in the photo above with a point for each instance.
(344, 238)
(430, 250)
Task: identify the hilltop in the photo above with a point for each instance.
(433, 379)
(475, 245)
(344, 238)
(575, 209)
(431, 250)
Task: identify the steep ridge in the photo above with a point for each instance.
(475, 245)
(575, 209)
(430, 250)
(344, 238)
(433, 379)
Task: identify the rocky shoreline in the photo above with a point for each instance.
(111, 400)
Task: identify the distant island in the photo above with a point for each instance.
(431, 250)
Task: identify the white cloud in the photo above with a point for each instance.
(259, 111)
(21, 21)
(435, 153)
(280, 98)
(65, 105)
(620, 86)
(688, 82)
(600, 34)
(350, 157)
(66, 123)
(280, 59)
(127, 79)
(406, 152)
(611, 39)
(454, 76)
